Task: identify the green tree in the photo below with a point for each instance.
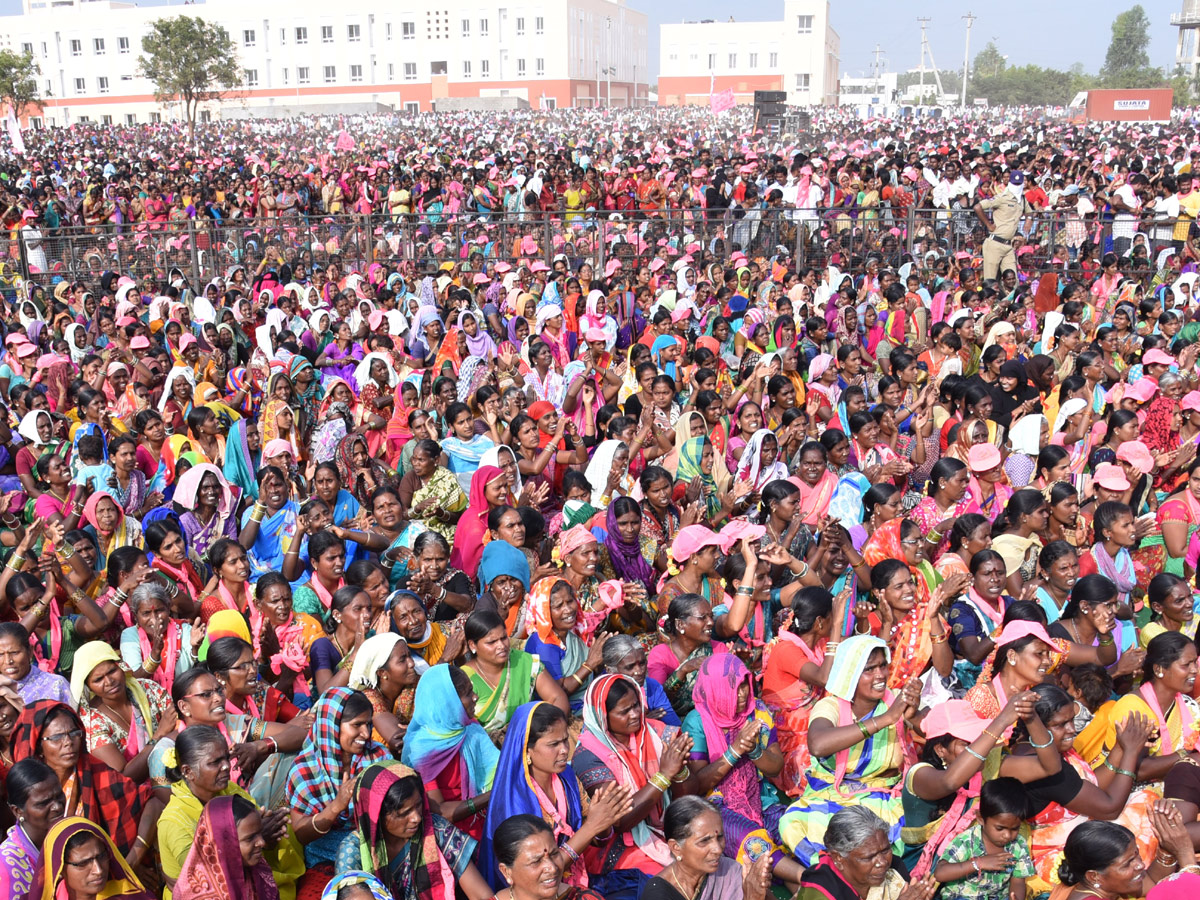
(989, 62)
(18, 80)
(1128, 54)
(189, 61)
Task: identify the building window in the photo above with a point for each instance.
(754, 60)
(206, 116)
(802, 81)
(466, 68)
(301, 35)
(252, 78)
(391, 71)
(733, 60)
(466, 27)
(353, 33)
(712, 61)
(80, 86)
(285, 76)
(483, 27)
(387, 30)
(411, 107)
(326, 34)
(485, 68)
(330, 74)
(408, 30)
(155, 118)
(520, 26)
(98, 46)
(43, 48)
(410, 71)
(437, 68)
(122, 45)
(302, 74)
(539, 25)
(102, 84)
(130, 119)
(520, 68)
(804, 24)
(106, 120)
(27, 49)
(356, 73)
(773, 61)
(540, 65)
(249, 38)
(76, 48)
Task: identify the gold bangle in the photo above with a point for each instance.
(313, 823)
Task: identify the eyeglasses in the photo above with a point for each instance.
(219, 690)
(248, 666)
(911, 543)
(56, 739)
(99, 858)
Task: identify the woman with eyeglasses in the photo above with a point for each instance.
(200, 699)
(53, 732)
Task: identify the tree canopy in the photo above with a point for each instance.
(18, 80)
(189, 61)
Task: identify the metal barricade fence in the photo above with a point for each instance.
(202, 249)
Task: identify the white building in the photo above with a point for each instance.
(304, 55)
(798, 54)
(868, 95)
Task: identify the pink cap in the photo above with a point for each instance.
(1019, 628)
(983, 457)
(956, 718)
(1137, 454)
(611, 266)
(186, 341)
(736, 530)
(595, 334)
(1157, 357)
(25, 349)
(1141, 390)
(657, 264)
(1111, 476)
(539, 266)
(139, 342)
(691, 539)
(1191, 400)
(277, 447)
(480, 278)
(502, 267)
(125, 320)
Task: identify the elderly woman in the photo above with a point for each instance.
(856, 738)
(157, 646)
(198, 767)
(857, 862)
(698, 870)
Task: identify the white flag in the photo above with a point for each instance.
(14, 132)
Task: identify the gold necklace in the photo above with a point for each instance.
(121, 720)
(682, 892)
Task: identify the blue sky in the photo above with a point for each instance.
(1054, 34)
(1074, 31)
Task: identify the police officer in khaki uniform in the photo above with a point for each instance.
(1007, 208)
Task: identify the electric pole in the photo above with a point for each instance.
(877, 68)
(970, 17)
(924, 20)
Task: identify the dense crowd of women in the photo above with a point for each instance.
(696, 579)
